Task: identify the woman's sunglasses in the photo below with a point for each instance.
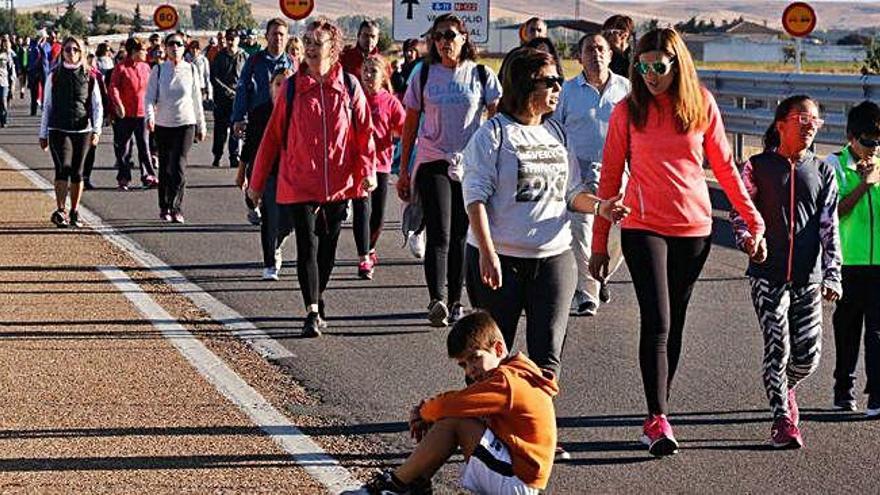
(659, 68)
(807, 119)
(447, 35)
(71, 49)
(550, 82)
(176, 43)
(869, 143)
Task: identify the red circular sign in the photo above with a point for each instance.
(799, 19)
(297, 9)
(165, 17)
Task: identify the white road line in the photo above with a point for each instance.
(238, 325)
(305, 452)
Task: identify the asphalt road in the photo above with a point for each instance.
(378, 356)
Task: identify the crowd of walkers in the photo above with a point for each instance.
(527, 189)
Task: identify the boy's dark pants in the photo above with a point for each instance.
(543, 287)
(859, 306)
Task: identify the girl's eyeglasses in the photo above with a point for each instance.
(869, 143)
(551, 82)
(807, 119)
(660, 68)
(447, 35)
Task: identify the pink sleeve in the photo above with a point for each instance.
(721, 160)
(398, 116)
(613, 163)
(270, 145)
(365, 158)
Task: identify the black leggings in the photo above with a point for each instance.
(664, 271)
(317, 229)
(123, 130)
(369, 216)
(68, 150)
(446, 225)
(173, 144)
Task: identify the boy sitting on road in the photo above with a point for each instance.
(504, 421)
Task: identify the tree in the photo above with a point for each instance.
(24, 23)
(137, 23)
(220, 14)
(73, 21)
(871, 64)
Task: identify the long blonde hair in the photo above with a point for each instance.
(686, 92)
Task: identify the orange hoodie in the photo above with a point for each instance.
(517, 400)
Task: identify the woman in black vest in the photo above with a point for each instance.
(69, 128)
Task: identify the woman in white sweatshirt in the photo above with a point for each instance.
(174, 112)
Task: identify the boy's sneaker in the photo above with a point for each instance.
(657, 435)
(385, 483)
(59, 218)
(74, 219)
(785, 435)
(845, 405)
(456, 313)
(165, 216)
(253, 216)
(793, 411)
(365, 270)
(270, 273)
(604, 293)
(438, 313)
(177, 217)
(311, 327)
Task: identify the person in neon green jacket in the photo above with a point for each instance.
(857, 169)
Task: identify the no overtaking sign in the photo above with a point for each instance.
(412, 18)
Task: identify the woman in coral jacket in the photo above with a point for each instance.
(324, 160)
(666, 128)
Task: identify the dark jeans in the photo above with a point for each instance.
(173, 144)
(123, 130)
(222, 136)
(35, 83)
(664, 271)
(542, 287)
(369, 216)
(859, 306)
(4, 111)
(317, 229)
(446, 225)
(68, 150)
(275, 227)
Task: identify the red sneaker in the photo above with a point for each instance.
(793, 411)
(785, 435)
(657, 435)
(374, 259)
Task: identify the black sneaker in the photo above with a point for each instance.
(311, 327)
(59, 218)
(586, 308)
(604, 293)
(385, 483)
(87, 185)
(74, 219)
(216, 162)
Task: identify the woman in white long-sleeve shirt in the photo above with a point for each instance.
(175, 114)
(68, 128)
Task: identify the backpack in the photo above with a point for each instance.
(482, 74)
(350, 84)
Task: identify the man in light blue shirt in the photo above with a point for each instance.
(584, 110)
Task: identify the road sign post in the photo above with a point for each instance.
(165, 17)
(413, 18)
(798, 20)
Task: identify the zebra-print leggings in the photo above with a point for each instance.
(791, 320)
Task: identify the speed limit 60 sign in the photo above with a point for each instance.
(165, 17)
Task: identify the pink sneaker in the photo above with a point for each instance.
(365, 270)
(793, 411)
(657, 435)
(374, 258)
(785, 435)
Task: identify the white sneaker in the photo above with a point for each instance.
(872, 413)
(270, 273)
(438, 313)
(456, 313)
(253, 216)
(416, 243)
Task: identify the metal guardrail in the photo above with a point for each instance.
(747, 100)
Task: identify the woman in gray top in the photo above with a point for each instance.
(521, 178)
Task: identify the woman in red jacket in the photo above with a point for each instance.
(666, 129)
(324, 159)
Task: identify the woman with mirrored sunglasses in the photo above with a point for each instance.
(663, 132)
(798, 261)
(455, 95)
(857, 170)
(175, 113)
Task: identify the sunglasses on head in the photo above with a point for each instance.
(551, 82)
(447, 35)
(869, 143)
(176, 43)
(659, 68)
